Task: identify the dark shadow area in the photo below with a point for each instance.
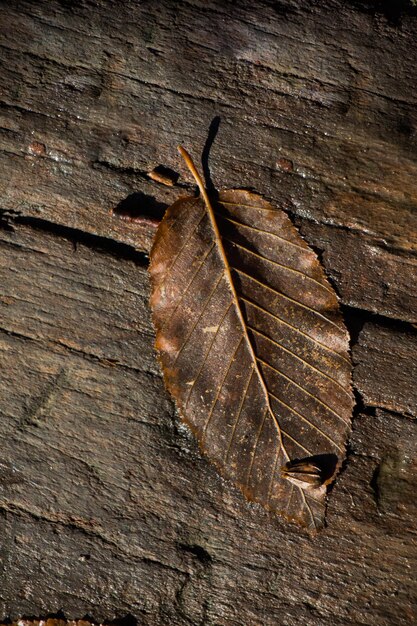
(283, 8)
(93, 242)
(392, 10)
(355, 319)
(139, 207)
(198, 551)
(5, 225)
(164, 175)
(127, 620)
(211, 136)
(6, 219)
(360, 406)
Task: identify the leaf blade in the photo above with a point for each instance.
(233, 387)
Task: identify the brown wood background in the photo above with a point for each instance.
(106, 506)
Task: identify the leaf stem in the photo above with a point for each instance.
(190, 164)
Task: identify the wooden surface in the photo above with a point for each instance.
(106, 506)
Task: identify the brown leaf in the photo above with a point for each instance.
(253, 347)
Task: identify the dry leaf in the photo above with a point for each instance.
(253, 347)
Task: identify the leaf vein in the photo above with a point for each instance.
(207, 354)
(303, 389)
(260, 230)
(285, 267)
(186, 290)
(272, 481)
(289, 498)
(283, 295)
(313, 519)
(219, 389)
(255, 448)
(249, 206)
(242, 402)
(213, 291)
(336, 382)
(323, 345)
(308, 452)
(305, 419)
(169, 269)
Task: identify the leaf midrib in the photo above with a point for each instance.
(227, 271)
(235, 302)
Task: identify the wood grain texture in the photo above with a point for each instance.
(101, 483)
(368, 274)
(342, 115)
(106, 506)
(386, 367)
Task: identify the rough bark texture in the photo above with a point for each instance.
(106, 506)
